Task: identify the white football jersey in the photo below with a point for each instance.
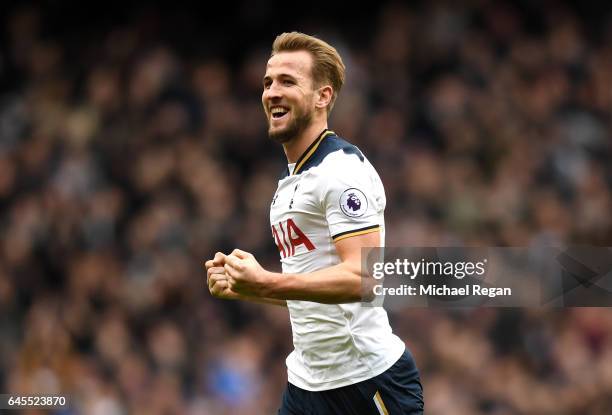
(332, 192)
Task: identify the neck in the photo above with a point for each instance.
(295, 147)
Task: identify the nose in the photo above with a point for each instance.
(272, 92)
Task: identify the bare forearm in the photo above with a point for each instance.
(341, 283)
(337, 284)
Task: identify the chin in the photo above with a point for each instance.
(292, 128)
(280, 135)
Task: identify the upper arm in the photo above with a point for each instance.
(349, 249)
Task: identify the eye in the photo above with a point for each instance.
(288, 82)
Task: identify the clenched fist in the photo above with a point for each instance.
(217, 279)
(245, 275)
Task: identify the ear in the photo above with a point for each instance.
(324, 96)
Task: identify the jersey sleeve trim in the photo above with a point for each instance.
(356, 232)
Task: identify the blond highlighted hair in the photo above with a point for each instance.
(327, 66)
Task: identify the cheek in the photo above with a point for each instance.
(310, 100)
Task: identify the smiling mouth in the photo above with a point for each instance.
(277, 113)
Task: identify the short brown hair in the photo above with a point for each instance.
(327, 64)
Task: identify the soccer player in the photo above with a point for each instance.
(328, 205)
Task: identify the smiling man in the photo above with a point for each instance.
(329, 204)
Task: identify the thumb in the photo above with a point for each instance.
(232, 261)
(219, 258)
(240, 253)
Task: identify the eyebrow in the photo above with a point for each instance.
(282, 75)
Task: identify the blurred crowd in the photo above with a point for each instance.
(127, 160)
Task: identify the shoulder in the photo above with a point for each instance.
(329, 151)
(342, 167)
(335, 152)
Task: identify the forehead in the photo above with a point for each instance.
(296, 63)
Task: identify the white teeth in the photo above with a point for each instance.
(277, 110)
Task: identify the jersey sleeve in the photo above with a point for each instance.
(354, 199)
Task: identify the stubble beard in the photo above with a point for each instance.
(297, 126)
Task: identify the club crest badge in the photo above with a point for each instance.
(353, 203)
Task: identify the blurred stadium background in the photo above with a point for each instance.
(133, 146)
